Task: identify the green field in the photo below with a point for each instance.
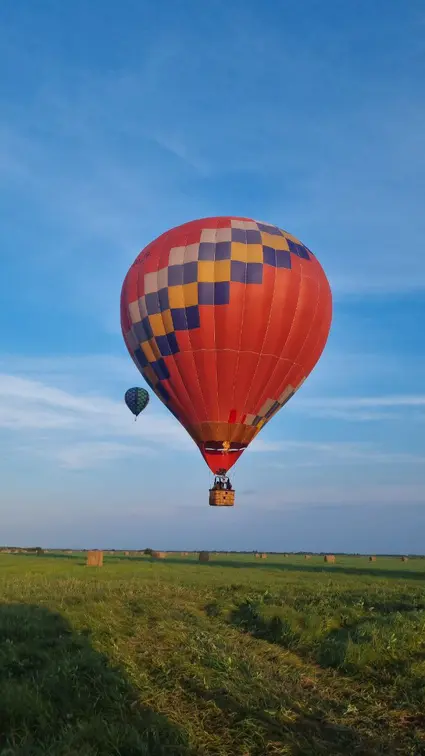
(237, 657)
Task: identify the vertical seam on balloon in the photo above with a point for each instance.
(215, 329)
(175, 361)
(190, 340)
(256, 397)
(318, 337)
(312, 323)
(288, 336)
(241, 328)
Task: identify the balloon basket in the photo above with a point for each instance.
(221, 498)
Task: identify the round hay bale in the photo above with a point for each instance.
(263, 556)
(159, 554)
(184, 553)
(330, 558)
(372, 559)
(307, 556)
(257, 556)
(126, 553)
(204, 556)
(404, 559)
(94, 558)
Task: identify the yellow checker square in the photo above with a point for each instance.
(155, 349)
(190, 293)
(175, 297)
(274, 241)
(206, 271)
(157, 324)
(239, 251)
(147, 350)
(292, 238)
(168, 321)
(222, 270)
(254, 253)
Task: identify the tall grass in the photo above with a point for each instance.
(236, 656)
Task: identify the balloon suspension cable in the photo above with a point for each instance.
(222, 481)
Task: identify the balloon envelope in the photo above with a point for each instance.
(225, 318)
(136, 400)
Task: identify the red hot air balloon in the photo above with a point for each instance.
(225, 318)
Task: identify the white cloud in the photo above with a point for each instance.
(81, 430)
(342, 452)
(87, 455)
(61, 421)
(360, 409)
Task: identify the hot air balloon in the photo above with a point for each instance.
(225, 318)
(136, 400)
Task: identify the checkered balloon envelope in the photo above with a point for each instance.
(225, 318)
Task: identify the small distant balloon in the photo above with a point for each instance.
(136, 400)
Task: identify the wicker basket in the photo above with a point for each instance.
(221, 498)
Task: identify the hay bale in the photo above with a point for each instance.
(263, 556)
(330, 558)
(307, 556)
(184, 553)
(94, 558)
(257, 556)
(372, 559)
(204, 556)
(126, 553)
(159, 554)
(404, 559)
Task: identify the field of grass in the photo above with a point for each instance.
(236, 657)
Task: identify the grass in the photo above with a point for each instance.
(232, 657)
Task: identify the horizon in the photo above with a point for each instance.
(116, 126)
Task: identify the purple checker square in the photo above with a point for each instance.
(163, 345)
(162, 391)
(253, 236)
(175, 275)
(190, 272)
(192, 317)
(206, 251)
(239, 235)
(163, 299)
(139, 355)
(254, 273)
(152, 303)
(140, 332)
(272, 410)
(223, 250)
(143, 330)
(205, 293)
(160, 369)
(269, 256)
(173, 344)
(238, 271)
(270, 229)
(283, 258)
(222, 292)
(298, 249)
(178, 315)
(303, 252)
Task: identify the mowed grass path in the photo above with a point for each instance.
(236, 657)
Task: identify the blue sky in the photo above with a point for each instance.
(119, 121)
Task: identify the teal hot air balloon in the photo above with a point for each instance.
(136, 400)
